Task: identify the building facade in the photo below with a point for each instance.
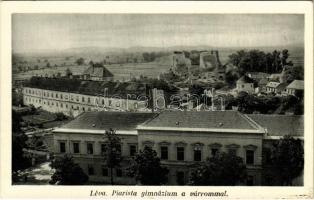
(73, 104)
(180, 138)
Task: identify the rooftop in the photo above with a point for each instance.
(104, 120)
(280, 125)
(99, 71)
(231, 121)
(296, 84)
(87, 87)
(272, 84)
(282, 86)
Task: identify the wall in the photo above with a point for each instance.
(96, 159)
(189, 139)
(245, 87)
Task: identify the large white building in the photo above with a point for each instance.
(72, 104)
(180, 138)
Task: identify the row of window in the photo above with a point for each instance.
(197, 153)
(164, 151)
(76, 148)
(77, 97)
(57, 104)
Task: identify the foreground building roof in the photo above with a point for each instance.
(208, 121)
(280, 125)
(99, 122)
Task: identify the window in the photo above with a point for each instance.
(103, 149)
(88, 100)
(119, 172)
(76, 147)
(214, 152)
(132, 150)
(250, 181)
(56, 95)
(61, 96)
(197, 153)
(90, 148)
(105, 171)
(180, 178)
(180, 153)
(83, 99)
(164, 153)
(91, 170)
(102, 102)
(62, 147)
(249, 157)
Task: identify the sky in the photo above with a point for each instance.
(63, 31)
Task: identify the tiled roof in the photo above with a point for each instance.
(272, 84)
(87, 87)
(296, 84)
(105, 120)
(282, 86)
(280, 125)
(202, 119)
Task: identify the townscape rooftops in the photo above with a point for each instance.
(218, 120)
(297, 85)
(245, 79)
(105, 120)
(280, 125)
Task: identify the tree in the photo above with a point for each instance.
(287, 159)
(146, 168)
(19, 160)
(231, 78)
(80, 61)
(112, 152)
(67, 172)
(221, 170)
(293, 73)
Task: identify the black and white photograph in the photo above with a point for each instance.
(158, 99)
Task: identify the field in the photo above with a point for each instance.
(59, 63)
